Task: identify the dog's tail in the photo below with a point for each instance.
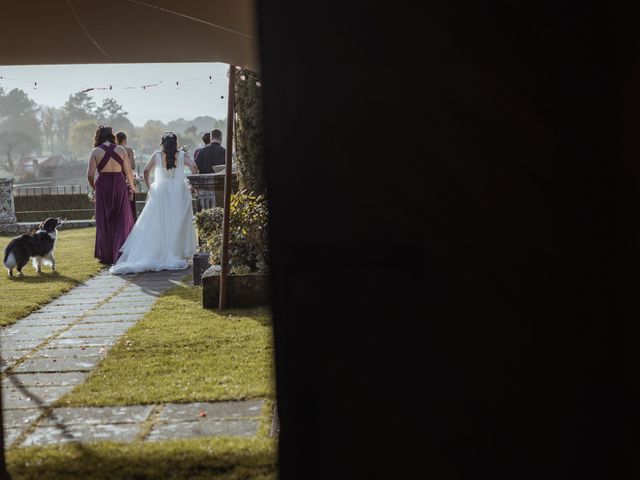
(9, 260)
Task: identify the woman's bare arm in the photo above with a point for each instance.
(126, 166)
(188, 161)
(91, 170)
(147, 170)
(131, 158)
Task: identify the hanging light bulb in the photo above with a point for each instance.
(144, 87)
(177, 85)
(243, 77)
(35, 85)
(110, 87)
(258, 84)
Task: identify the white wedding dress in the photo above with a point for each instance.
(164, 236)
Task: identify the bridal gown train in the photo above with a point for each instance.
(164, 236)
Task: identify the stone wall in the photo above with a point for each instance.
(7, 208)
(210, 189)
(75, 206)
(26, 227)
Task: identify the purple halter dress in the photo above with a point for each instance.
(114, 219)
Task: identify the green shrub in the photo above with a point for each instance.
(247, 233)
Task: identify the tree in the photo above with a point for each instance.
(19, 125)
(16, 142)
(16, 103)
(49, 117)
(190, 137)
(109, 111)
(79, 106)
(81, 135)
(150, 136)
(249, 136)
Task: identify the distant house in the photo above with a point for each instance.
(37, 167)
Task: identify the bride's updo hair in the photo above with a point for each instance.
(103, 134)
(170, 148)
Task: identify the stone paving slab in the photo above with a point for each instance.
(74, 352)
(99, 415)
(20, 418)
(36, 321)
(190, 412)
(46, 379)
(34, 397)
(204, 428)
(58, 365)
(111, 318)
(120, 309)
(83, 341)
(124, 423)
(97, 330)
(13, 356)
(16, 333)
(64, 310)
(21, 345)
(28, 338)
(11, 435)
(123, 433)
(83, 300)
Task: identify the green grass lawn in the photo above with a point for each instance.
(219, 458)
(181, 353)
(177, 353)
(75, 263)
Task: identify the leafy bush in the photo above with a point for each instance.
(247, 233)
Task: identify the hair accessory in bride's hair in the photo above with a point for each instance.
(168, 134)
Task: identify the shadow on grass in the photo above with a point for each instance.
(193, 294)
(44, 277)
(220, 458)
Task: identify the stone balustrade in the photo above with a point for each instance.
(209, 189)
(7, 207)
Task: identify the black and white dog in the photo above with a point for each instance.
(39, 246)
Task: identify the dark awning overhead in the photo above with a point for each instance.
(128, 31)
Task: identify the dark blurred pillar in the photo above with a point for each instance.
(444, 238)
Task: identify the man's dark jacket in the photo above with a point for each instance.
(212, 154)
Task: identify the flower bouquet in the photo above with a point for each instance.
(92, 195)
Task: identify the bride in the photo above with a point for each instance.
(164, 237)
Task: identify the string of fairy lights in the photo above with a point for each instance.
(244, 75)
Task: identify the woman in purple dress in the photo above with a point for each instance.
(121, 139)
(114, 219)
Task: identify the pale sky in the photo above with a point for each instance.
(195, 95)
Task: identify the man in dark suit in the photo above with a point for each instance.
(212, 154)
(206, 139)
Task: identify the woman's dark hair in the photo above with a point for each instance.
(120, 136)
(104, 134)
(170, 148)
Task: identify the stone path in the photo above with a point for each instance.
(48, 353)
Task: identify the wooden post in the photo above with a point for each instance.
(224, 267)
